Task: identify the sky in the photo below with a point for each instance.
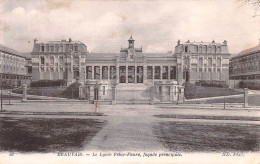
(105, 26)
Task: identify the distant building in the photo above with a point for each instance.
(59, 60)
(202, 61)
(246, 64)
(13, 70)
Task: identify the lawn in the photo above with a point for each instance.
(207, 137)
(253, 100)
(47, 134)
(202, 92)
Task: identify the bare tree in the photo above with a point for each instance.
(253, 3)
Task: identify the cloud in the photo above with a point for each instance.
(106, 25)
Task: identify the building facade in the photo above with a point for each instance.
(59, 60)
(246, 64)
(13, 70)
(135, 75)
(202, 61)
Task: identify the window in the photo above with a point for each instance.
(149, 72)
(200, 61)
(112, 72)
(52, 60)
(96, 72)
(172, 72)
(139, 74)
(61, 60)
(89, 72)
(76, 48)
(165, 72)
(157, 72)
(210, 62)
(52, 48)
(42, 48)
(42, 60)
(104, 72)
(218, 62)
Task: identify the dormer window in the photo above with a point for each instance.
(186, 49)
(76, 48)
(42, 48)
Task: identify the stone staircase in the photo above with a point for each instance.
(132, 93)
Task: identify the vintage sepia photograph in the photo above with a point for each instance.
(129, 81)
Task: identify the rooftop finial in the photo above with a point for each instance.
(35, 40)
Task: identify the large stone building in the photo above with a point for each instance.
(202, 61)
(134, 74)
(246, 64)
(59, 60)
(13, 70)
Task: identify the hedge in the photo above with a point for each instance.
(48, 83)
(189, 90)
(72, 91)
(212, 83)
(255, 85)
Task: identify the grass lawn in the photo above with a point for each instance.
(202, 92)
(180, 116)
(253, 100)
(207, 137)
(47, 134)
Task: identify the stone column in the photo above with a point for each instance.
(81, 93)
(117, 74)
(126, 73)
(91, 93)
(92, 69)
(245, 98)
(113, 95)
(24, 92)
(169, 72)
(108, 72)
(153, 74)
(100, 72)
(161, 67)
(145, 74)
(135, 74)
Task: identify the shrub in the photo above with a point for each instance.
(249, 84)
(212, 83)
(189, 90)
(72, 91)
(48, 83)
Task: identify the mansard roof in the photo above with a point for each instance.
(201, 43)
(248, 51)
(10, 51)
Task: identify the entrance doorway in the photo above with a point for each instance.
(131, 74)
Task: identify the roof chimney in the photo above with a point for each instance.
(70, 40)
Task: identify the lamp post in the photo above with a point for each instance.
(96, 96)
(1, 93)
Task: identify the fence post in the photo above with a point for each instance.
(24, 92)
(245, 98)
(113, 95)
(152, 96)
